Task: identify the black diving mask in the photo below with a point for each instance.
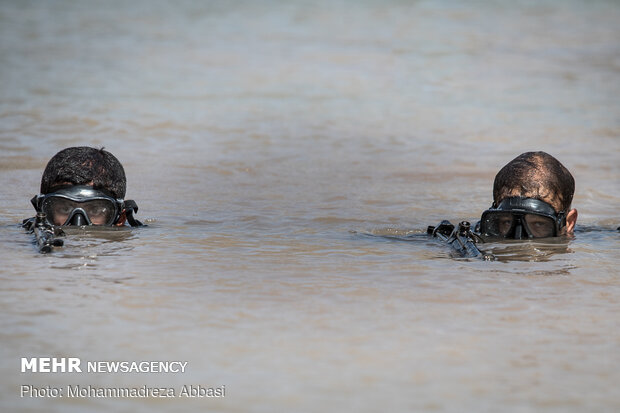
(80, 205)
(522, 218)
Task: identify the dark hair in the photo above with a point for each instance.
(83, 165)
(535, 175)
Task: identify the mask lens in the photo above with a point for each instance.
(99, 211)
(540, 226)
(58, 209)
(498, 224)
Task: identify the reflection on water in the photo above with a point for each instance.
(83, 245)
(527, 250)
(288, 157)
(105, 234)
(504, 251)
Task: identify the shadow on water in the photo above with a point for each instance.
(596, 231)
(527, 250)
(432, 248)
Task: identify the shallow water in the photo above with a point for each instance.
(262, 142)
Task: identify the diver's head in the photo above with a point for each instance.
(536, 176)
(84, 186)
(84, 165)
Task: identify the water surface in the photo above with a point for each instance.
(261, 141)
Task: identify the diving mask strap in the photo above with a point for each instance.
(562, 220)
(130, 208)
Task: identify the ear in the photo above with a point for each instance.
(571, 219)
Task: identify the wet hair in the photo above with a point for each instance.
(83, 165)
(535, 175)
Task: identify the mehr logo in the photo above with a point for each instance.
(51, 365)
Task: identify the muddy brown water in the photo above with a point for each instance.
(263, 142)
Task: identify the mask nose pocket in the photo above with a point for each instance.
(78, 218)
(518, 231)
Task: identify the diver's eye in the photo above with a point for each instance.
(504, 224)
(59, 206)
(64, 209)
(540, 226)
